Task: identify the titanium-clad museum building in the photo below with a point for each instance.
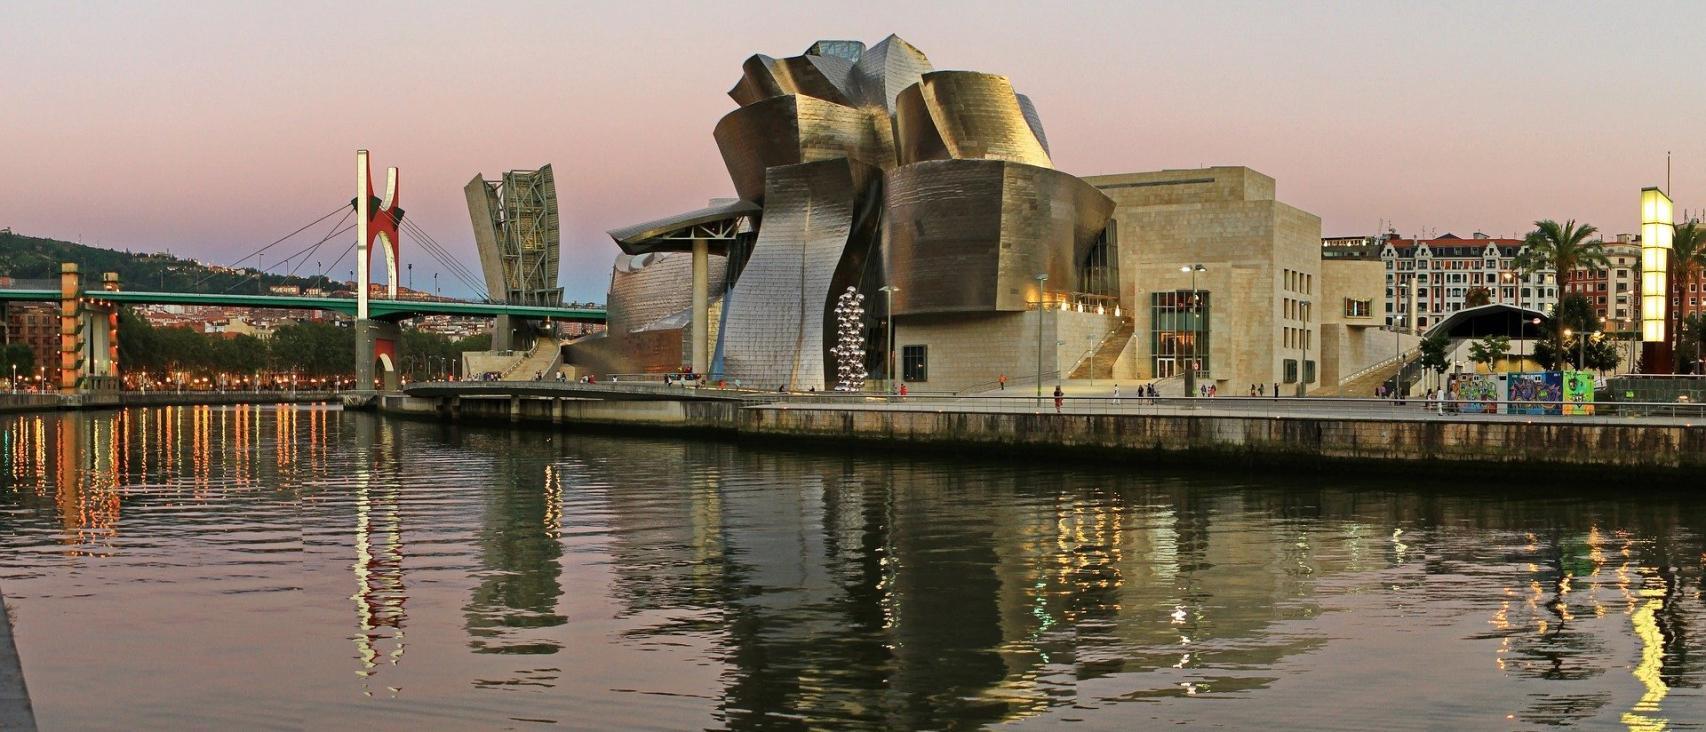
(933, 193)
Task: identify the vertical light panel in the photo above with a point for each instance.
(1656, 222)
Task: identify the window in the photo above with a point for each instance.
(1308, 372)
(1291, 371)
(914, 363)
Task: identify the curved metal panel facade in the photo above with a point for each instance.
(888, 68)
(1033, 120)
(644, 289)
(963, 236)
(794, 129)
(973, 116)
(814, 237)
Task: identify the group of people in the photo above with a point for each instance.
(1144, 391)
(684, 378)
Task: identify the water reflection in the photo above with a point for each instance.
(535, 576)
(518, 571)
(380, 595)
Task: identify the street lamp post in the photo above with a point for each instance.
(1581, 349)
(1303, 366)
(1536, 323)
(1397, 353)
(1191, 359)
(1041, 277)
(888, 344)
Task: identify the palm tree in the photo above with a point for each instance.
(1688, 258)
(1565, 248)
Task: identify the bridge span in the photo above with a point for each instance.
(377, 308)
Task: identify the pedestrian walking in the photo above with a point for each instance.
(1116, 394)
(1276, 390)
(1002, 380)
(903, 388)
(1057, 398)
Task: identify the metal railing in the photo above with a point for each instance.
(1013, 401)
(1313, 407)
(1381, 365)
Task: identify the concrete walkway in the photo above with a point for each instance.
(15, 713)
(1414, 410)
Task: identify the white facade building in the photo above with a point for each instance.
(1429, 279)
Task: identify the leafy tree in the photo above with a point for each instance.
(1575, 313)
(1564, 248)
(1689, 339)
(1602, 353)
(1477, 296)
(28, 257)
(1572, 318)
(1434, 353)
(1546, 354)
(18, 356)
(429, 355)
(313, 348)
(138, 345)
(1489, 350)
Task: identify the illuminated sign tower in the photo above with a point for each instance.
(1656, 229)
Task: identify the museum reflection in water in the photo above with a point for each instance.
(902, 592)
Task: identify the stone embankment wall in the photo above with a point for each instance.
(1505, 448)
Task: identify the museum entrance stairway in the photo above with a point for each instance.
(1100, 362)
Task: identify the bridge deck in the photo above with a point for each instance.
(381, 309)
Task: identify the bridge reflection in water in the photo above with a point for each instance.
(541, 576)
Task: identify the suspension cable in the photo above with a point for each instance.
(454, 267)
(428, 241)
(305, 251)
(275, 243)
(437, 252)
(340, 258)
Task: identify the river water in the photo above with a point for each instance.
(306, 568)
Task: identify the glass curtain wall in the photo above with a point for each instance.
(1178, 331)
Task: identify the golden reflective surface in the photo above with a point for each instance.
(285, 568)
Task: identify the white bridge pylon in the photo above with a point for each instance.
(372, 224)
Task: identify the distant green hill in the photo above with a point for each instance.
(29, 257)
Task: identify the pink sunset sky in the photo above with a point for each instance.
(211, 128)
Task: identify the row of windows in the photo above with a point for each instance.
(1297, 338)
(1406, 264)
(1290, 365)
(1470, 277)
(1296, 310)
(1301, 282)
(1422, 293)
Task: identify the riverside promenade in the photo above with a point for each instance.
(1618, 441)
